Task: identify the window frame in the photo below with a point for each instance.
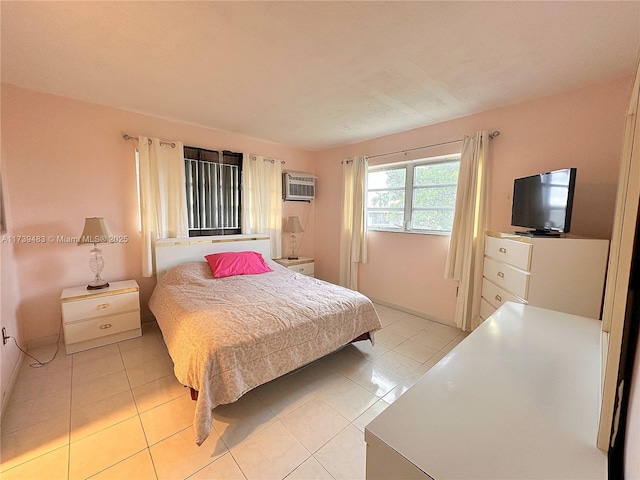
(205, 157)
(409, 189)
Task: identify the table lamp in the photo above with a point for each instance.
(95, 231)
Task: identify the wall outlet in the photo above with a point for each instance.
(5, 337)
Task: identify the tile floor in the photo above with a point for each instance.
(117, 412)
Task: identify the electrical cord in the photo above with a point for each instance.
(38, 363)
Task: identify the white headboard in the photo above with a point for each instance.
(175, 251)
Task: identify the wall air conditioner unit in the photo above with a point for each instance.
(298, 186)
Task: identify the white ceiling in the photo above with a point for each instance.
(315, 74)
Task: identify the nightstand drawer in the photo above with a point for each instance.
(511, 279)
(99, 307)
(304, 268)
(496, 296)
(512, 252)
(100, 327)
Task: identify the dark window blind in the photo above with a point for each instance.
(213, 182)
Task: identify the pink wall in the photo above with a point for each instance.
(581, 128)
(64, 160)
(9, 295)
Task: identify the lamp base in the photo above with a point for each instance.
(94, 286)
(292, 257)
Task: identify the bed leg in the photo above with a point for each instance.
(194, 394)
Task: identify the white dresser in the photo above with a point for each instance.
(516, 399)
(563, 274)
(92, 318)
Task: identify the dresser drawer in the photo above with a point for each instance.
(496, 296)
(486, 309)
(505, 276)
(99, 306)
(304, 268)
(512, 252)
(101, 327)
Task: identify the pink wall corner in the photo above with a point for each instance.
(581, 128)
(65, 160)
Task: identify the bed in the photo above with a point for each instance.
(229, 335)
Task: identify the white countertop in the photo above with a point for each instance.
(518, 398)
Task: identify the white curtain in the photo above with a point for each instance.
(353, 231)
(163, 201)
(471, 220)
(262, 199)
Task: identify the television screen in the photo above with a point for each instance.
(544, 202)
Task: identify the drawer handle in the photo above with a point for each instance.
(102, 306)
(105, 326)
(498, 298)
(501, 274)
(502, 250)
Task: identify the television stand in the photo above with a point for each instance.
(540, 233)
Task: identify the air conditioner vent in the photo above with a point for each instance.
(298, 186)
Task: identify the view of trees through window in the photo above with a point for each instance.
(416, 197)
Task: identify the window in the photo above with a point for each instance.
(419, 196)
(213, 184)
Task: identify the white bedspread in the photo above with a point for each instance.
(229, 335)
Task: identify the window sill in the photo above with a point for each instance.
(415, 232)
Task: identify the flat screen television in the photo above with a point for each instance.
(543, 202)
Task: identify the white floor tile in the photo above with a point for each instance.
(147, 372)
(431, 340)
(223, 468)
(416, 351)
(119, 412)
(89, 419)
(271, 453)
(372, 377)
(101, 450)
(397, 363)
(178, 456)
(241, 419)
(138, 467)
(158, 392)
(285, 394)
(310, 470)
(53, 465)
(89, 370)
(347, 398)
(91, 392)
(25, 444)
(314, 424)
(31, 412)
(372, 412)
(167, 419)
(344, 457)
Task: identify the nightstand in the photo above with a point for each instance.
(93, 318)
(302, 265)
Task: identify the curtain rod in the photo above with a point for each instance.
(492, 135)
(253, 157)
(129, 137)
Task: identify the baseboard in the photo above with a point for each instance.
(412, 312)
(12, 381)
(43, 341)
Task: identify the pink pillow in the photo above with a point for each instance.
(228, 264)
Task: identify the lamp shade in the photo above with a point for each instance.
(293, 225)
(95, 231)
